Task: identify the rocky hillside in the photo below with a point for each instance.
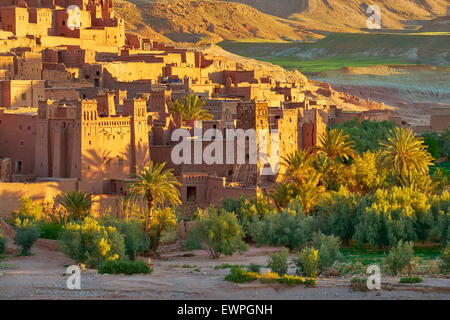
(134, 21)
(210, 20)
(350, 15)
(266, 69)
(215, 20)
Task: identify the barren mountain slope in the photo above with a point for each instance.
(184, 20)
(350, 15)
(441, 24)
(134, 22)
(266, 69)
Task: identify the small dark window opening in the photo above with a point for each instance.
(191, 194)
(19, 166)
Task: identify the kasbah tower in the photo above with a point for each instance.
(86, 108)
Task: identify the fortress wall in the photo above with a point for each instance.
(45, 192)
(10, 193)
(104, 205)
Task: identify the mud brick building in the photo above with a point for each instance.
(86, 107)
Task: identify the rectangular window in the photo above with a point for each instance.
(19, 166)
(191, 194)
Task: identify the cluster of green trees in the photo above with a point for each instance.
(377, 193)
(438, 143)
(400, 160)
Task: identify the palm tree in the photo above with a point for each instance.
(299, 165)
(308, 192)
(333, 174)
(336, 145)
(404, 153)
(191, 108)
(162, 219)
(77, 203)
(157, 187)
(281, 195)
(418, 181)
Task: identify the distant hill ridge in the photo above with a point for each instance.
(214, 20)
(193, 21)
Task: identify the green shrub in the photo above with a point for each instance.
(227, 266)
(394, 215)
(308, 262)
(218, 232)
(253, 267)
(367, 134)
(444, 264)
(134, 236)
(278, 262)
(328, 247)
(248, 211)
(124, 266)
(310, 282)
(26, 237)
(440, 209)
(269, 277)
(30, 213)
(359, 284)
(77, 204)
(290, 229)
(91, 243)
(240, 275)
(3, 244)
(400, 257)
(51, 230)
(337, 213)
(350, 268)
(411, 280)
(291, 280)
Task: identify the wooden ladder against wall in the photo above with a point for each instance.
(237, 168)
(250, 173)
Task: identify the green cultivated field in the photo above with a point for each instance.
(368, 256)
(319, 65)
(349, 50)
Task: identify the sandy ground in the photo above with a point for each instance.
(42, 276)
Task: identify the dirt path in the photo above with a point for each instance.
(41, 276)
